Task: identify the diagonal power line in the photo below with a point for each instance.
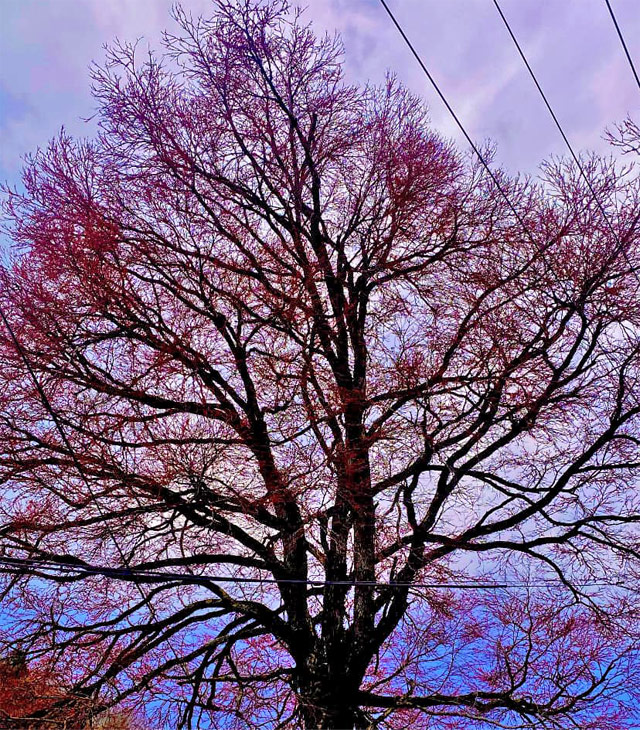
(474, 147)
(620, 243)
(555, 119)
(134, 574)
(451, 111)
(622, 41)
(443, 98)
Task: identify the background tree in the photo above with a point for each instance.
(292, 334)
(32, 697)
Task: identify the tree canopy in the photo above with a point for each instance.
(272, 327)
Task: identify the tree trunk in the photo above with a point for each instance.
(327, 702)
(328, 713)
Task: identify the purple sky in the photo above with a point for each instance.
(47, 45)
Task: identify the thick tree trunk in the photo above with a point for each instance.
(329, 713)
(327, 698)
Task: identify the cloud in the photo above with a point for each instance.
(46, 48)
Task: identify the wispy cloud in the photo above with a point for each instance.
(46, 47)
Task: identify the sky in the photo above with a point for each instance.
(46, 47)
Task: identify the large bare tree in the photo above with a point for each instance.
(294, 339)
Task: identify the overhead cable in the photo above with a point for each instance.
(451, 111)
(52, 412)
(576, 159)
(21, 565)
(624, 45)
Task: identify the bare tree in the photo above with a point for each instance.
(290, 334)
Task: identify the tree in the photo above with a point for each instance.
(25, 691)
(626, 136)
(291, 334)
(31, 694)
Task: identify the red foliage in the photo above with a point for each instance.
(27, 692)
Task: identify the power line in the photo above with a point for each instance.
(49, 408)
(624, 45)
(477, 151)
(576, 159)
(451, 111)
(20, 565)
(134, 574)
(554, 117)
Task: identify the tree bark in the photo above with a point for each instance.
(329, 709)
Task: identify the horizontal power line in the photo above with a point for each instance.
(22, 565)
(74, 457)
